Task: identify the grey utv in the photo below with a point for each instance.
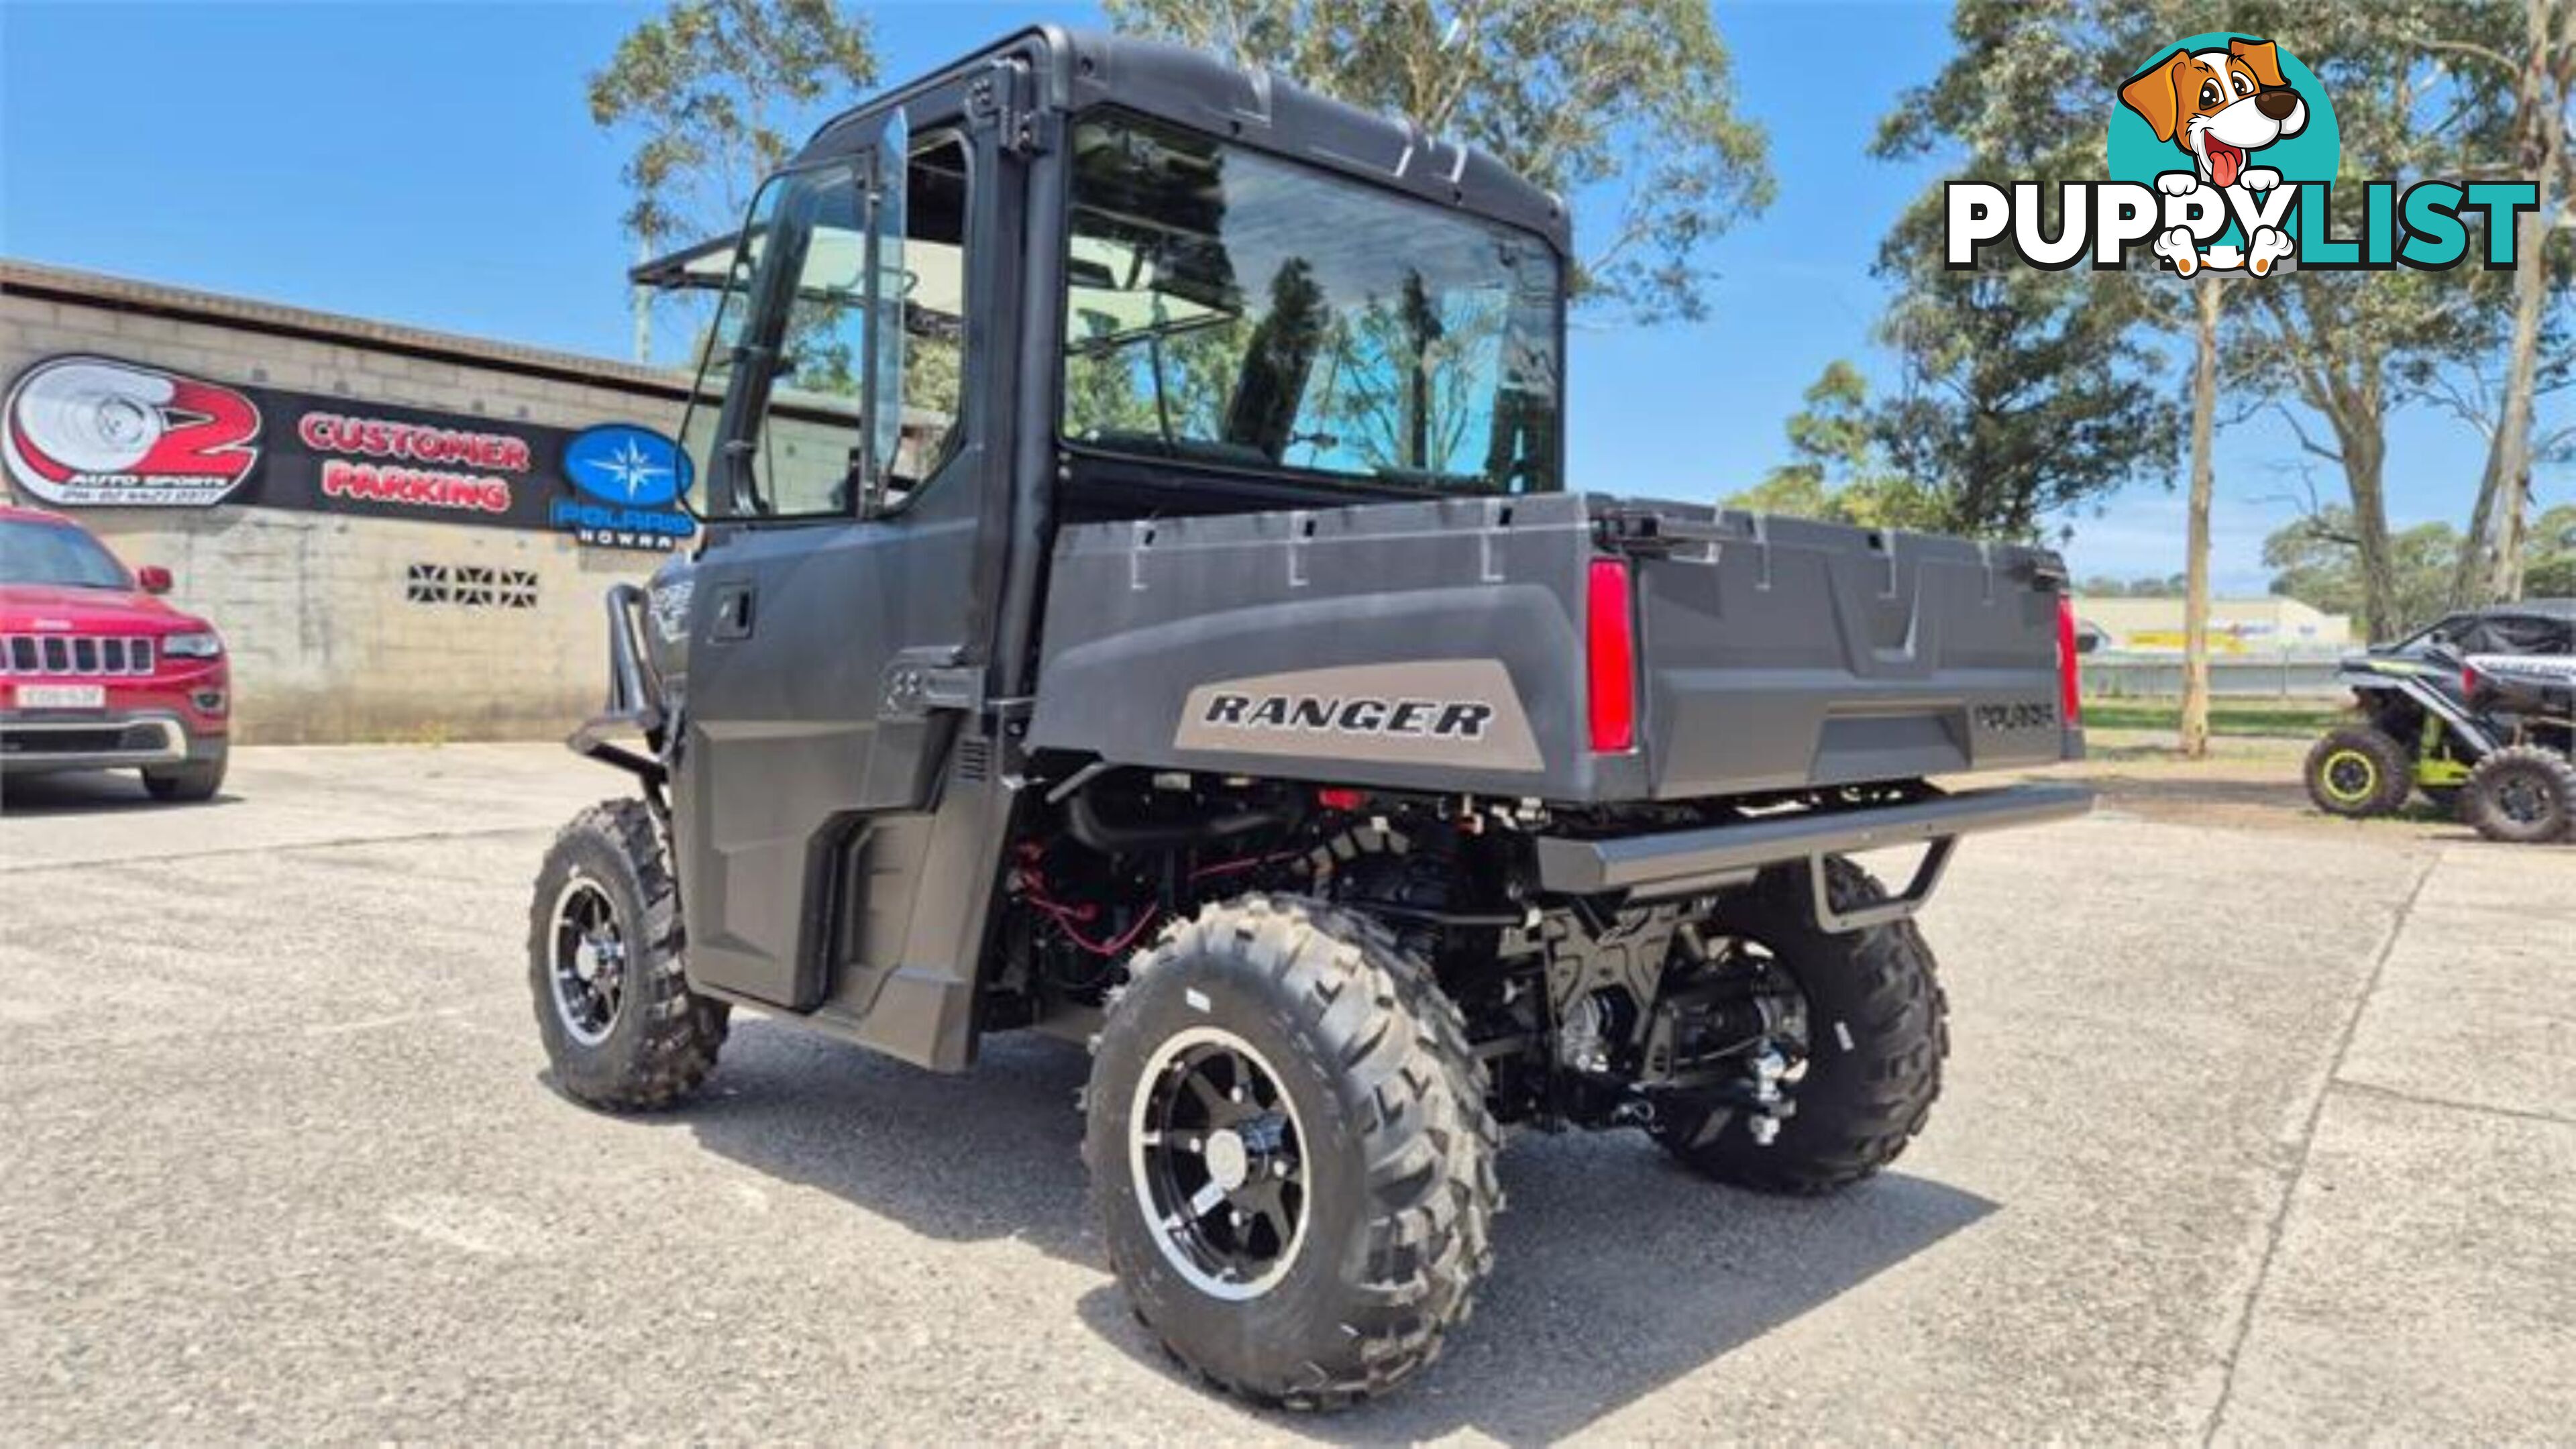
(1138, 601)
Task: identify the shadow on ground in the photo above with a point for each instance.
(87, 792)
(1616, 1272)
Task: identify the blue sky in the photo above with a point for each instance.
(433, 164)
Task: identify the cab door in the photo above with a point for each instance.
(832, 596)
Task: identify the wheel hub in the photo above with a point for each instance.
(2522, 801)
(586, 959)
(2351, 775)
(1228, 1163)
(1218, 1158)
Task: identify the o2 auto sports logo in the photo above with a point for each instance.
(89, 430)
(2224, 152)
(627, 482)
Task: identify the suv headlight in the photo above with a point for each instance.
(201, 644)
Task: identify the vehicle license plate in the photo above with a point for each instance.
(62, 696)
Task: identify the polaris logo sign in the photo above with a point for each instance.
(1457, 712)
(627, 483)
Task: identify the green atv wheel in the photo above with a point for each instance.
(2359, 772)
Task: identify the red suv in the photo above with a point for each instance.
(95, 672)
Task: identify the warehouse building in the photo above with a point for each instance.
(402, 534)
(2268, 624)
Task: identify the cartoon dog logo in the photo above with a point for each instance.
(2219, 107)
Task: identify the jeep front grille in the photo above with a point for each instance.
(77, 656)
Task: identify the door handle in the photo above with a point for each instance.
(733, 613)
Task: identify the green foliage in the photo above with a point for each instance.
(709, 87)
(2024, 392)
(2173, 586)
(2549, 561)
(2317, 560)
(2239, 718)
(1633, 97)
(1841, 471)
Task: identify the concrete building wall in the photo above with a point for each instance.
(333, 637)
(2270, 624)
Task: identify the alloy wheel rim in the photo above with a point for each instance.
(2522, 800)
(2350, 775)
(1218, 1156)
(586, 961)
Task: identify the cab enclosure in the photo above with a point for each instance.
(1128, 481)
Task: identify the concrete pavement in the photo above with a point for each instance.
(2248, 1135)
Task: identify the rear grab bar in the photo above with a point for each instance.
(1678, 862)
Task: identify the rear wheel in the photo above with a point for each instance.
(1290, 1152)
(2358, 772)
(620, 1024)
(1877, 1027)
(2524, 795)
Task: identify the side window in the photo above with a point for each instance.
(814, 425)
(786, 371)
(788, 350)
(2525, 634)
(934, 283)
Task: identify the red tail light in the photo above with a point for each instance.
(1610, 641)
(2070, 675)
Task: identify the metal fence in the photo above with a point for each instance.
(2159, 676)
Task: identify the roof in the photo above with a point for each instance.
(2563, 609)
(123, 294)
(1253, 108)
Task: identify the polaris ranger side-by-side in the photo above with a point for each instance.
(1138, 601)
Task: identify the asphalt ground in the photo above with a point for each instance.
(2253, 1131)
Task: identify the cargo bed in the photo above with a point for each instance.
(1448, 645)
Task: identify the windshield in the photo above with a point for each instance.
(1229, 307)
(53, 553)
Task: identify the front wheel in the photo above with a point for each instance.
(193, 781)
(621, 1026)
(1290, 1152)
(1877, 1027)
(2359, 772)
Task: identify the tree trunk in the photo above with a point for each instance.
(2470, 574)
(2365, 450)
(2513, 536)
(2509, 460)
(642, 301)
(2544, 142)
(2195, 608)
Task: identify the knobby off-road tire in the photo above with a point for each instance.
(607, 881)
(1877, 1028)
(1369, 1072)
(2359, 772)
(2525, 795)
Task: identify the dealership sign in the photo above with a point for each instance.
(627, 483)
(87, 430)
(101, 432)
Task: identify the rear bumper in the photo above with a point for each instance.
(1680, 861)
(35, 744)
